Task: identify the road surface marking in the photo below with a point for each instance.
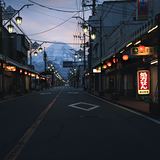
(16, 150)
(92, 106)
(129, 110)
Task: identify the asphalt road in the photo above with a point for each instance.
(65, 123)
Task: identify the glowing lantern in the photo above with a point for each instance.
(20, 71)
(115, 60)
(125, 57)
(141, 49)
(109, 64)
(104, 66)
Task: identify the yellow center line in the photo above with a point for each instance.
(16, 150)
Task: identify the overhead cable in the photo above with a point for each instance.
(42, 32)
(54, 9)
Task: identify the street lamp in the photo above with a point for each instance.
(19, 19)
(93, 36)
(10, 28)
(40, 49)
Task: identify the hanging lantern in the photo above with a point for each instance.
(125, 57)
(40, 49)
(141, 49)
(25, 73)
(19, 20)
(36, 53)
(20, 71)
(80, 59)
(85, 28)
(76, 55)
(109, 64)
(10, 28)
(115, 60)
(104, 66)
(93, 36)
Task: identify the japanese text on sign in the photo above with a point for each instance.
(143, 79)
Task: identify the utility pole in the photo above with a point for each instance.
(101, 74)
(45, 60)
(84, 43)
(94, 7)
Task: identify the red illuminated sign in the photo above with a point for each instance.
(143, 79)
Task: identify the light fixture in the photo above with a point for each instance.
(36, 53)
(122, 51)
(141, 49)
(85, 28)
(109, 64)
(93, 36)
(75, 55)
(154, 62)
(40, 49)
(10, 28)
(104, 66)
(138, 42)
(125, 57)
(129, 44)
(20, 70)
(80, 59)
(152, 29)
(18, 19)
(115, 60)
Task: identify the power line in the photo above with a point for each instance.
(42, 32)
(54, 9)
(44, 13)
(54, 42)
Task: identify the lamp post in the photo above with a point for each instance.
(10, 27)
(45, 60)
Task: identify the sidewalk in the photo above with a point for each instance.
(129, 102)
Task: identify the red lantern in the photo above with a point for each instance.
(115, 60)
(125, 57)
(109, 64)
(141, 49)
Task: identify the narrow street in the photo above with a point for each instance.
(66, 123)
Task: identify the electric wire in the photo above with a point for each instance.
(54, 9)
(45, 31)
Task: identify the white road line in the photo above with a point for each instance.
(82, 108)
(17, 149)
(129, 110)
(79, 108)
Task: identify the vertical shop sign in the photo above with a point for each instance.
(142, 9)
(143, 79)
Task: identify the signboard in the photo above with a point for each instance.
(143, 79)
(142, 51)
(142, 9)
(67, 64)
(97, 70)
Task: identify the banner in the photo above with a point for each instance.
(143, 79)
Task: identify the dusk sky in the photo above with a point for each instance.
(38, 19)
